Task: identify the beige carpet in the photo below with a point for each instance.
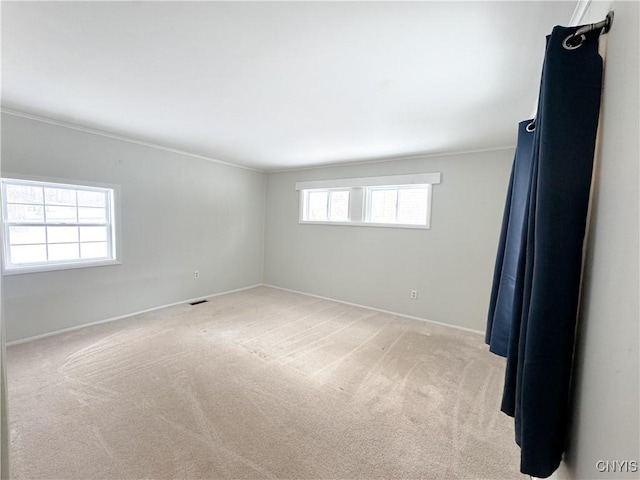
(259, 384)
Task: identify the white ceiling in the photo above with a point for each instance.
(280, 85)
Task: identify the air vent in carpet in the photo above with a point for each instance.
(198, 302)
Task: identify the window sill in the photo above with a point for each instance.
(367, 224)
(57, 266)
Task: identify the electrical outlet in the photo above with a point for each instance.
(414, 294)
(196, 274)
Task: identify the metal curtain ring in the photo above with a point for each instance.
(569, 42)
(531, 127)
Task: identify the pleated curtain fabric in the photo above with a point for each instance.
(534, 300)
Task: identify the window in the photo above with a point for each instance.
(50, 226)
(404, 205)
(327, 205)
(391, 201)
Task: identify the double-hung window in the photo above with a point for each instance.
(390, 201)
(50, 226)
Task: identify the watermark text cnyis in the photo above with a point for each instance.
(617, 466)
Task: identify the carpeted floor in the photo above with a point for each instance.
(259, 384)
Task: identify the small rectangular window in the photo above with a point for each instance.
(51, 226)
(398, 205)
(326, 206)
(391, 201)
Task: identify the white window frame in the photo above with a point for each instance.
(112, 223)
(305, 203)
(397, 188)
(359, 197)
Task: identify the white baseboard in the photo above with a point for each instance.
(465, 329)
(120, 317)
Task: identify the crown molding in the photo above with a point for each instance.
(122, 138)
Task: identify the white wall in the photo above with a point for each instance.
(179, 214)
(606, 418)
(4, 420)
(451, 265)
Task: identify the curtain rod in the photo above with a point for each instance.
(574, 41)
(605, 25)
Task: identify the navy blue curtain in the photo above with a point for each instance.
(534, 300)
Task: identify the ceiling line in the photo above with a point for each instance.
(411, 156)
(123, 138)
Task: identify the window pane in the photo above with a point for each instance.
(28, 253)
(26, 235)
(339, 206)
(23, 194)
(59, 196)
(41, 224)
(412, 206)
(63, 251)
(317, 207)
(93, 234)
(92, 199)
(25, 213)
(62, 234)
(61, 214)
(383, 206)
(91, 215)
(93, 250)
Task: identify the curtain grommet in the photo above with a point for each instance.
(568, 42)
(531, 127)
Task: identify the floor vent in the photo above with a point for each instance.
(198, 302)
